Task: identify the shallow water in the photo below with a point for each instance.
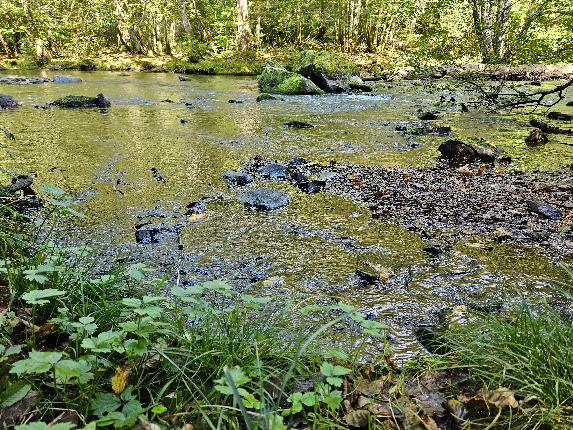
(314, 246)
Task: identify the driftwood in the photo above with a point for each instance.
(20, 183)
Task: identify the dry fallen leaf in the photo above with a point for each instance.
(501, 397)
(197, 217)
(482, 170)
(357, 419)
(464, 171)
(119, 380)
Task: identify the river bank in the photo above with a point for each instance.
(370, 66)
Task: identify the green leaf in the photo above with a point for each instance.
(237, 375)
(104, 342)
(105, 403)
(14, 393)
(43, 426)
(37, 363)
(68, 369)
(336, 353)
(328, 369)
(333, 399)
(159, 409)
(38, 297)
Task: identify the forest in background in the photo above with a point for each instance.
(397, 31)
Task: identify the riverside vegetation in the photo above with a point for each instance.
(122, 350)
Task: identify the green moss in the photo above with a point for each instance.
(266, 96)
(280, 81)
(327, 62)
(238, 66)
(70, 102)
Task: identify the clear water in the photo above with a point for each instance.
(311, 248)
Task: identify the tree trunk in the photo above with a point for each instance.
(243, 29)
(122, 29)
(184, 17)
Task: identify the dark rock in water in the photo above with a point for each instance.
(266, 96)
(21, 183)
(23, 80)
(297, 176)
(238, 178)
(298, 161)
(73, 102)
(535, 83)
(366, 278)
(544, 209)
(559, 116)
(432, 339)
(183, 78)
(536, 138)
(428, 116)
(464, 107)
(265, 199)
(312, 187)
(237, 102)
(65, 79)
(167, 101)
(183, 121)
(273, 171)
(569, 103)
(298, 124)
(147, 235)
(458, 151)
(7, 102)
(420, 129)
(434, 250)
(195, 208)
(157, 175)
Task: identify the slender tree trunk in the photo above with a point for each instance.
(243, 29)
(184, 17)
(122, 29)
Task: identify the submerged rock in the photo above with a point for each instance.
(536, 138)
(75, 102)
(428, 116)
(238, 178)
(420, 129)
(146, 235)
(7, 102)
(277, 80)
(560, 116)
(65, 79)
(356, 83)
(298, 124)
(23, 80)
(273, 171)
(265, 199)
(312, 187)
(299, 161)
(458, 151)
(195, 208)
(544, 209)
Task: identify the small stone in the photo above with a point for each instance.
(428, 116)
(312, 187)
(273, 171)
(65, 79)
(238, 178)
(559, 116)
(265, 199)
(536, 138)
(237, 102)
(544, 209)
(434, 250)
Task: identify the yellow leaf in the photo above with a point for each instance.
(323, 163)
(197, 217)
(119, 380)
(502, 397)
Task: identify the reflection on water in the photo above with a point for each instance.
(314, 246)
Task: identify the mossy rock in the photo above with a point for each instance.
(277, 80)
(328, 63)
(266, 96)
(74, 102)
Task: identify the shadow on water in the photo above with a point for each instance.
(312, 247)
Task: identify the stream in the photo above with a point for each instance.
(140, 163)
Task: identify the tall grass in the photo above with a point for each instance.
(531, 353)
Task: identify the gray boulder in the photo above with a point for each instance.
(265, 199)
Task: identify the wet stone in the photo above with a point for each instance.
(536, 138)
(265, 199)
(560, 116)
(66, 79)
(544, 209)
(238, 178)
(195, 208)
(299, 161)
(428, 116)
(312, 187)
(7, 102)
(147, 235)
(273, 171)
